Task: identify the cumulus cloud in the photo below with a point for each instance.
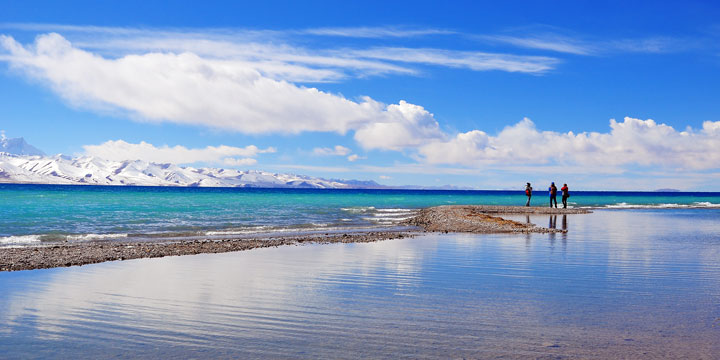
(120, 150)
(214, 80)
(355, 157)
(406, 125)
(631, 142)
(338, 150)
(188, 89)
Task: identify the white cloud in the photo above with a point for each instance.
(406, 125)
(631, 142)
(375, 32)
(657, 45)
(242, 81)
(552, 42)
(338, 150)
(273, 53)
(187, 89)
(580, 45)
(120, 150)
(239, 162)
(473, 60)
(277, 61)
(385, 177)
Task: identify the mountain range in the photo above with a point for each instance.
(60, 169)
(21, 162)
(17, 146)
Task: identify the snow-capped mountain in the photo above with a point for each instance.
(61, 169)
(17, 146)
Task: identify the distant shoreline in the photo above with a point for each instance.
(519, 192)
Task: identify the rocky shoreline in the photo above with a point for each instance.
(43, 257)
(458, 218)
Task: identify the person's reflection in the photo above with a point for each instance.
(528, 240)
(527, 235)
(564, 234)
(552, 225)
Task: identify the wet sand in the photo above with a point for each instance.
(456, 218)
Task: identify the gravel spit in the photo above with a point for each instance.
(457, 218)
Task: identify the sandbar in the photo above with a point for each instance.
(479, 219)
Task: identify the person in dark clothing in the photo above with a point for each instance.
(565, 195)
(528, 193)
(553, 194)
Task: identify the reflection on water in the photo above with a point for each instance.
(633, 284)
(552, 224)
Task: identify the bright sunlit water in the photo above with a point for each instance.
(619, 284)
(40, 214)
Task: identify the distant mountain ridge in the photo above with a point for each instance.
(90, 170)
(21, 162)
(17, 146)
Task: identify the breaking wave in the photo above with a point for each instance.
(54, 238)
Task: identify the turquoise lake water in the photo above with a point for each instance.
(620, 284)
(37, 214)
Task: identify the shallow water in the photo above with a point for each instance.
(42, 214)
(619, 284)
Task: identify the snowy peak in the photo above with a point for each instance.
(17, 146)
(96, 171)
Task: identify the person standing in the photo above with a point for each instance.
(565, 195)
(553, 194)
(528, 193)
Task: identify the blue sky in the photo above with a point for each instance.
(467, 93)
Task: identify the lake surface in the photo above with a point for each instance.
(43, 214)
(619, 284)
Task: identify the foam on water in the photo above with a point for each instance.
(242, 230)
(393, 215)
(389, 216)
(88, 237)
(358, 209)
(624, 205)
(50, 238)
(20, 240)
